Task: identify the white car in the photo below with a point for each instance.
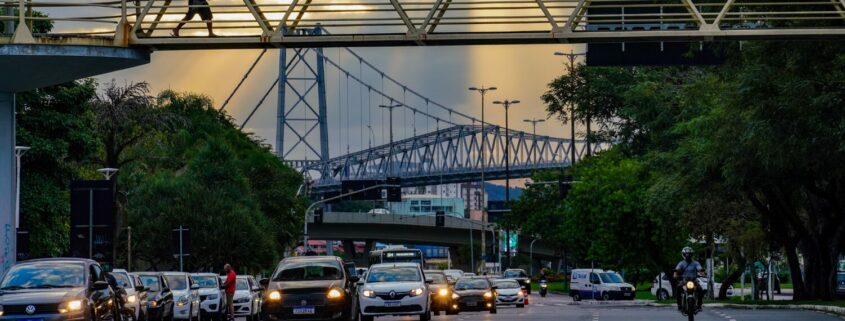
(664, 291)
(394, 289)
(509, 292)
(186, 299)
(247, 299)
(212, 298)
(133, 297)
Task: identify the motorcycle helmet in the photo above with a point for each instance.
(687, 253)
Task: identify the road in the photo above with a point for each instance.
(557, 307)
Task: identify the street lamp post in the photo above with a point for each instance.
(390, 110)
(483, 91)
(507, 104)
(572, 56)
(19, 151)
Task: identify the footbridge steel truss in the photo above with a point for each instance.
(450, 155)
(350, 23)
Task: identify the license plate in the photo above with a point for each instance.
(303, 310)
(472, 304)
(392, 303)
(627, 294)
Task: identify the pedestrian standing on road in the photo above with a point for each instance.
(229, 285)
(196, 7)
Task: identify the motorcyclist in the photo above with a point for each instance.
(689, 270)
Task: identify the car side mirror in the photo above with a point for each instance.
(354, 279)
(165, 290)
(140, 288)
(264, 282)
(195, 287)
(100, 285)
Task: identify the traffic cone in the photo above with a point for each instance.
(525, 295)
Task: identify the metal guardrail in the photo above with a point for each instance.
(397, 219)
(268, 23)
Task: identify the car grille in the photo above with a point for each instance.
(399, 309)
(625, 289)
(471, 298)
(312, 299)
(21, 309)
(386, 296)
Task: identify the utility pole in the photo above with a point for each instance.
(507, 104)
(129, 249)
(483, 91)
(572, 56)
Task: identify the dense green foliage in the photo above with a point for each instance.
(181, 162)
(750, 153)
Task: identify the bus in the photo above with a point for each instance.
(396, 255)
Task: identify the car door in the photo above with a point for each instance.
(594, 285)
(99, 298)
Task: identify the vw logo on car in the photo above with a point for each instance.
(30, 309)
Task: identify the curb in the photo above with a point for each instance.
(840, 311)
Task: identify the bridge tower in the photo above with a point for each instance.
(301, 107)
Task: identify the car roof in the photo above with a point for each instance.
(397, 264)
(433, 272)
(311, 259)
(204, 274)
(174, 273)
(118, 271)
(61, 259)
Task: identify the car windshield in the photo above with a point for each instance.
(307, 271)
(151, 281)
(177, 282)
(608, 277)
(206, 281)
(241, 284)
(436, 278)
(472, 284)
(515, 274)
(122, 280)
(44, 275)
(394, 274)
(507, 284)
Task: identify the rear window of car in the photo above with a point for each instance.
(515, 274)
(436, 278)
(507, 284)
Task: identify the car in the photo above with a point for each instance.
(440, 289)
(454, 274)
(56, 289)
(599, 285)
(247, 298)
(186, 296)
(509, 292)
(135, 293)
(474, 294)
(394, 289)
(212, 297)
(361, 272)
(310, 287)
(159, 296)
(520, 276)
(468, 274)
(664, 291)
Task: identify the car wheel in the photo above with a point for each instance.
(605, 296)
(425, 316)
(576, 297)
(493, 310)
(436, 312)
(366, 317)
(663, 295)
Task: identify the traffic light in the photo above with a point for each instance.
(394, 191)
(318, 216)
(564, 184)
(440, 219)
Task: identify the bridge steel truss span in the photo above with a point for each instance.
(350, 23)
(449, 155)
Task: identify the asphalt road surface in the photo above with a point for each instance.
(558, 307)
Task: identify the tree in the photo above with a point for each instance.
(56, 122)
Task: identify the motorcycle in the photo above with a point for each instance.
(125, 313)
(544, 287)
(689, 300)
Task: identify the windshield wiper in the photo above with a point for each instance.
(13, 287)
(51, 286)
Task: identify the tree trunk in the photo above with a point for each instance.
(731, 279)
(799, 291)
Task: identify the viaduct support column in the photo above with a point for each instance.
(8, 234)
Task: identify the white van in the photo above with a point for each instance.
(599, 285)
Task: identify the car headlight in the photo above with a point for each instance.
(488, 294)
(416, 292)
(71, 306)
(528, 281)
(443, 292)
(131, 299)
(455, 296)
(334, 294)
(274, 296)
(633, 289)
(369, 293)
(153, 304)
(183, 300)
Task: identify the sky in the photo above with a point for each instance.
(442, 74)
